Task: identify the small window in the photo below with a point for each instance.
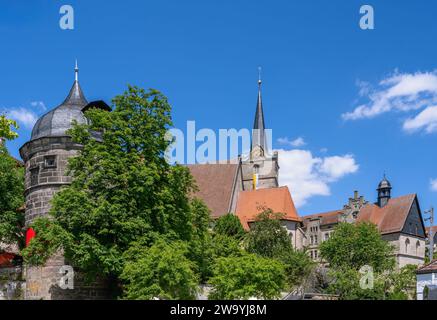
(34, 176)
(50, 161)
(316, 240)
(407, 244)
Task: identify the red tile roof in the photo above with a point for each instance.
(215, 183)
(390, 218)
(434, 230)
(252, 203)
(330, 217)
(428, 268)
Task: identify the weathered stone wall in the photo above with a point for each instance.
(11, 283)
(46, 161)
(268, 169)
(50, 178)
(45, 283)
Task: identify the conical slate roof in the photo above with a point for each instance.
(59, 120)
(258, 134)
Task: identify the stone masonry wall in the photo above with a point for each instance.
(46, 162)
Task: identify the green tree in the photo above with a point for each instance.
(7, 127)
(161, 271)
(11, 199)
(267, 237)
(346, 285)
(403, 283)
(247, 276)
(298, 267)
(229, 225)
(122, 189)
(351, 246)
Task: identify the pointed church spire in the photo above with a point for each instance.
(258, 133)
(76, 96)
(76, 72)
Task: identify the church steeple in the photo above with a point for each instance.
(258, 133)
(384, 192)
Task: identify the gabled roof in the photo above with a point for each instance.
(428, 268)
(434, 230)
(390, 218)
(252, 203)
(326, 218)
(216, 184)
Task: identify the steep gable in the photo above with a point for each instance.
(414, 224)
(216, 185)
(393, 217)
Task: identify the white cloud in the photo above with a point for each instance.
(434, 185)
(399, 92)
(298, 142)
(23, 116)
(427, 120)
(308, 176)
(38, 105)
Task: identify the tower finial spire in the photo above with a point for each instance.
(258, 133)
(76, 72)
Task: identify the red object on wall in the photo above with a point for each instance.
(30, 234)
(6, 259)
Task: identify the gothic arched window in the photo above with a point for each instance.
(417, 247)
(407, 244)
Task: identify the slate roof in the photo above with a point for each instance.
(258, 135)
(216, 184)
(57, 121)
(252, 203)
(390, 218)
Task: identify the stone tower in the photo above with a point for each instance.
(45, 157)
(260, 169)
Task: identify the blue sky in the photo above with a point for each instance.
(318, 67)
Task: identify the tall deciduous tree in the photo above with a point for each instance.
(11, 188)
(122, 189)
(11, 199)
(7, 127)
(162, 271)
(269, 239)
(247, 276)
(354, 246)
(229, 225)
